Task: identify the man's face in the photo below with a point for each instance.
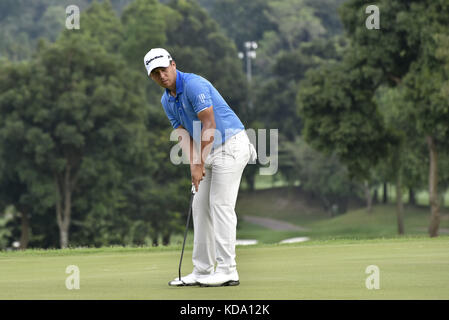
(165, 77)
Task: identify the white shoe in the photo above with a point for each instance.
(220, 279)
(189, 280)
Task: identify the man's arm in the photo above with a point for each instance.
(207, 133)
(186, 143)
(188, 146)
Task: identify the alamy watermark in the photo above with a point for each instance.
(373, 280)
(373, 20)
(73, 17)
(73, 280)
(269, 162)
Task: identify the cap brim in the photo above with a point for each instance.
(159, 63)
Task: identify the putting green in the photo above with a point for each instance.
(409, 268)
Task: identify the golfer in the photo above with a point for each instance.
(190, 101)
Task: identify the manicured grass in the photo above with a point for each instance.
(357, 224)
(248, 230)
(381, 222)
(296, 208)
(280, 203)
(410, 268)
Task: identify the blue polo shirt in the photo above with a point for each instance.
(193, 95)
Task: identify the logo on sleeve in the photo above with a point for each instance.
(202, 97)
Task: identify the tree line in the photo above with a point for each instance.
(85, 144)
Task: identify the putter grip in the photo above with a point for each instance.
(193, 189)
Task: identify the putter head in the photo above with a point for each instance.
(177, 283)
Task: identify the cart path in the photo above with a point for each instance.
(273, 224)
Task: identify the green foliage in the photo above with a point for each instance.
(325, 10)
(404, 49)
(295, 21)
(320, 175)
(425, 89)
(84, 108)
(51, 22)
(340, 116)
(5, 230)
(209, 53)
(376, 56)
(144, 27)
(249, 19)
(276, 97)
(293, 36)
(100, 23)
(411, 154)
(76, 112)
(86, 101)
(24, 22)
(392, 48)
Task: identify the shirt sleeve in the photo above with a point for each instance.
(198, 93)
(173, 120)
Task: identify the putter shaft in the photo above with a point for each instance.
(192, 194)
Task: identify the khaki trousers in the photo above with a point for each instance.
(214, 217)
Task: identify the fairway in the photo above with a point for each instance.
(410, 268)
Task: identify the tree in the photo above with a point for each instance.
(425, 89)
(339, 115)
(144, 26)
(404, 49)
(100, 24)
(158, 200)
(20, 185)
(326, 10)
(5, 232)
(405, 166)
(75, 101)
(295, 23)
(322, 176)
(24, 22)
(15, 193)
(275, 98)
(249, 19)
(208, 53)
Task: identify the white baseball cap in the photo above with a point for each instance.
(155, 58)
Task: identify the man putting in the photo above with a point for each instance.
(191, 101)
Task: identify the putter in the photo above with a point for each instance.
(178, 282)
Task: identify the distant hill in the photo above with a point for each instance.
(284, 203)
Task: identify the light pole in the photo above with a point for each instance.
(250, 53)
(250, 47)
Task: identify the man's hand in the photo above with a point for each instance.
(198, 172)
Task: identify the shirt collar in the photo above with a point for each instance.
(179, 84)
